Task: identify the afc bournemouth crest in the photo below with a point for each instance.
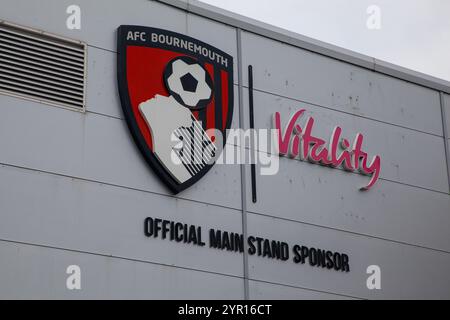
(177, 98)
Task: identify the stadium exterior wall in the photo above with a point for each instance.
(74, 189)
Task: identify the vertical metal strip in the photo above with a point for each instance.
(446, 136)
(243, 171)
(252, 135)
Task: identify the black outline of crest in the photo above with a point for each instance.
(150, 158)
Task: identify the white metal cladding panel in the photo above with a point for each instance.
(100, 148)
(407, 272)
(447, 112)
(100, 19)
(95, 147)
(268, 291)
(99, 29)
(216, 34)
(57, 211)
(102, 92)
(407, 156)
(296, 73)
(33, 272)
(328, 197)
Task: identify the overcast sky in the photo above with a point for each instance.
(414, 33)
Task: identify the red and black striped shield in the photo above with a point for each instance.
(174, 91)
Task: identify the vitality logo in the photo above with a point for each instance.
(177, 97)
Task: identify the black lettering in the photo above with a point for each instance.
(259, 241)
(215, 239)
(157, 226)
(239, 242)
(165, 228)
(330, 263)
(321, 258)
(345, 265)
(297, 255)
(226, 241)
(172, 231)
(305, 253)
(185, 233)
(148, 226)
(276, 249)
(312, 256)
(284, 251)
(266, 249)
(337, 261)
(231, 237)
(178, 229)
(192, 235)
(251, 245)
(199, 237)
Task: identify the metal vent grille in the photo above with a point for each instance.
(43, 67)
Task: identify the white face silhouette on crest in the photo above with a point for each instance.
(179, 141)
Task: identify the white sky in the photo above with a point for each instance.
(414, 33)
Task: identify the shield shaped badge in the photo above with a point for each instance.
(177, 97)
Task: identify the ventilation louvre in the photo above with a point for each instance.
(39, 66)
